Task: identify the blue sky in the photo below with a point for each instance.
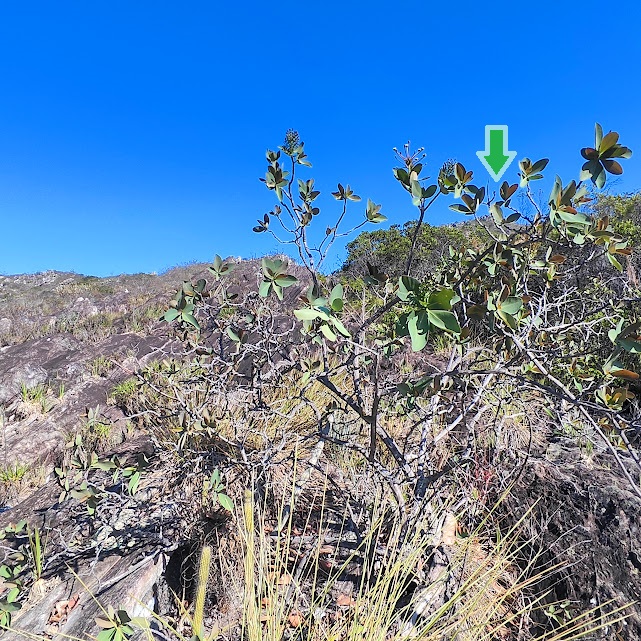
(132, 134)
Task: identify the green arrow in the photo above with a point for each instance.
(496, 158)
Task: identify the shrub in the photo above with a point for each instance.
(515, 306)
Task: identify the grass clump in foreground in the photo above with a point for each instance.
(288, 574)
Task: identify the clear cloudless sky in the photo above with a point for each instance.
(133, 133)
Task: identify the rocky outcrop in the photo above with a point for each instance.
(585, 516)
(64, 603)
(33, 435)
(117, 556)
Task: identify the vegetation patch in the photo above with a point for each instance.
(338, 452)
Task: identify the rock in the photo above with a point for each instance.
(118, 566)
(33, 363)
(84, 307)
(33, 436)
(589, 519)
(126, 581)
(32, 442)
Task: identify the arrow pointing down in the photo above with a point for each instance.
(496, 158)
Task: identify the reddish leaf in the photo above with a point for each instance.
(345, 600)
(295, 619)
(613, 167)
